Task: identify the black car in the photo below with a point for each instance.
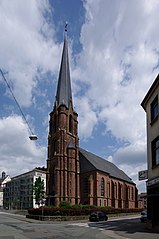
(98, 216)
(143, 217)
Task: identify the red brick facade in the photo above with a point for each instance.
(63, 159)
(100, 189)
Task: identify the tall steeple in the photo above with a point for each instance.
(64, 93)
(63, 157)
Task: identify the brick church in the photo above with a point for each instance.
(74, 174)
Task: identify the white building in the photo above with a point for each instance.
(3, 180)
(18, 193)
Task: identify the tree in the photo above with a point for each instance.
(38, 189)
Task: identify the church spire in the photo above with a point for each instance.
(64, 93)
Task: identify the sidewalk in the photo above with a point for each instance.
(130, 229)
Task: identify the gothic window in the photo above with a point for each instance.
(115, 190)
(70, 124)
(112, 190)
(108, 190)
(119, 191)
(54, 125)
(54, 150)
(132, 193)
(75, 129)
(102, 187)
(86, 185)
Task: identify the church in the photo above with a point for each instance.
(73, 173)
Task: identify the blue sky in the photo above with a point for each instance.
(113, 53)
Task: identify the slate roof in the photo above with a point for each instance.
(64, 93)
(90, 162)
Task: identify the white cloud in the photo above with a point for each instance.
(18, 153)
(118, 63)
(133, 154)
(87, 118)
(26, 44)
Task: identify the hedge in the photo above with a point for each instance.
(84, 210)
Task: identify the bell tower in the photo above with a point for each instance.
(63, 156)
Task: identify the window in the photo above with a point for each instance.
(155, 151)
(154, 109)
(132, 194)
(102, 187)
(115, 190)
(86, 185)
(108, 190)
(70, 124)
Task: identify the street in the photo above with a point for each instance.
(18, 227)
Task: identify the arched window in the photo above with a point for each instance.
(86, 185)
(55, 147)
(70, 124)
(132, 193)
(54, 125)
(108, 190)
(115, 190)
(119, 190)
(102, 187)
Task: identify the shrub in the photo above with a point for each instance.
(65, 204)
(77, 211)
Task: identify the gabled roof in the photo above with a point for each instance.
(90, 162)
(64, 93)
(150, 92)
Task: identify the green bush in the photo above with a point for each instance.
(78, 211)
(65, 204)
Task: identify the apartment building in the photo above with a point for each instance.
(3, 180)
(18, 193)
(150, 104)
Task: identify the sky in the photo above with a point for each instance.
(114, 59)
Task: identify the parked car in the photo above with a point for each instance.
(98, 216)
(143, 217)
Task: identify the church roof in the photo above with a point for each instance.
(64, 93)
(90, 162)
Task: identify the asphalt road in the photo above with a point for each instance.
(18, 227)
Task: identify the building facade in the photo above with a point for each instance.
(18, 193)
(104, 184)
(151, 106)
(74, 174)
(142, 200)
(3, 180)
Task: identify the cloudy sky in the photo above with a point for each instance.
(114, 58)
